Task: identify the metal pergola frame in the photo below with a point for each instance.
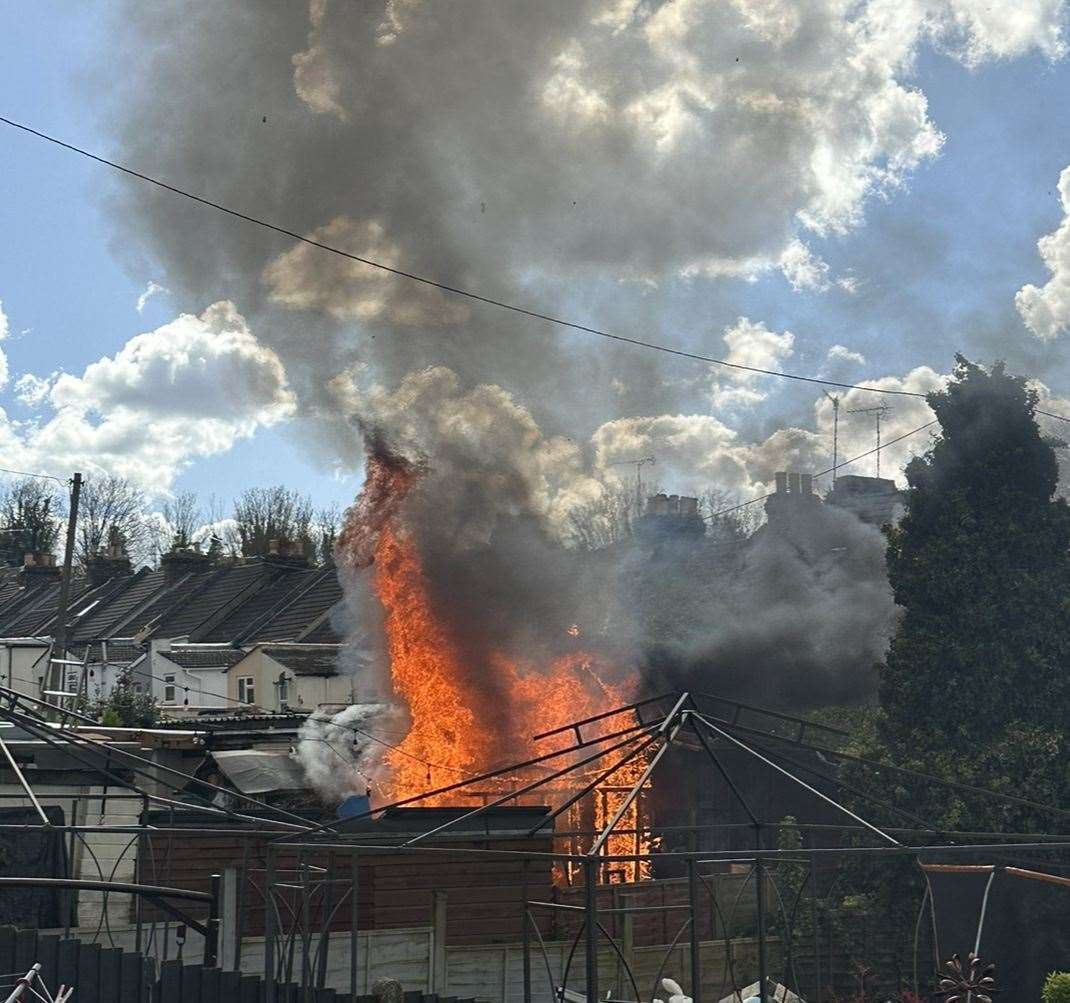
(647, 729)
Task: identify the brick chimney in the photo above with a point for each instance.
(671, 515)
(179, 562)
(39, 568)
(794, 493)
(112, 561)
(285, 552)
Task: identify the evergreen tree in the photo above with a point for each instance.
(980, 564)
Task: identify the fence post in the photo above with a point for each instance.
(228, 921)
(269, 924)
(438, 941)
(590, 895)
(354, 921)
(696, 959)
(211, 938)
(525, 933)
(759, 883)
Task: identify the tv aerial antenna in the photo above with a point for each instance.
(835, 434)
(879, 413)
(638, 464)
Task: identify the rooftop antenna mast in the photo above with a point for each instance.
(879, 413)
(638, 478)
(835, 434)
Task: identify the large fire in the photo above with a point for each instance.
(447, 741)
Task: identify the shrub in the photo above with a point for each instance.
(1056, 988)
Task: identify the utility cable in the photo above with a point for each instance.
(456, 290)
(30, 473)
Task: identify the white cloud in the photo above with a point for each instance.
(147, 293)
(1046, 310)
(753, 345)
(841, 353)
(32, 390)
(189, 389)
(812, 106)
(803, 269)
(696, 451)
(858, 432)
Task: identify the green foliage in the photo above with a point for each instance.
(975, 687)
(29, 519)
(981, 566)
(1056, 988)
(125, 706)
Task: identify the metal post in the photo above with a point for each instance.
(211, 938)
(228, 925)
(59, 637)
(139, 872)
(696, 959)
(306, 928)
(24, 983)
(590, 895)
(354, 921)
(815, 918)
(525, 932)
(759, 884)
(269, 924)
(325, 935)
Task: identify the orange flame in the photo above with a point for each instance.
(447, 740)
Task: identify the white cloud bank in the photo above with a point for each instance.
(1046, 309)
(189, 389)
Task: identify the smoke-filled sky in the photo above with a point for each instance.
(852, 190)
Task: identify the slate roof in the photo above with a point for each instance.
(305, 660)
(239, 605)
(33, 615)
(222, 591)
(120, 651)
(261, 607)
(129, 594)
(305, 612)
(211, 658)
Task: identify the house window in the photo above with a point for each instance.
(169, 688)
(284, 689)
(246, 689)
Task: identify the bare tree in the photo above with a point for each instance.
(728, 520)
(607, 519)
(275, 513)
(108, 505)
(184, 517)
(30, 511)
(613, 516)
(328, 526)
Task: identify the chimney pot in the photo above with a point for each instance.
(793, 483)
(807, 484)
(781, 482)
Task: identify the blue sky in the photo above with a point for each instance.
(937, 261)
(63, 279)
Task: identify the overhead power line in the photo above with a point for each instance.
(30, 473)
(444, 287)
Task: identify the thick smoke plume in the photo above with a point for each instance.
(602, 159)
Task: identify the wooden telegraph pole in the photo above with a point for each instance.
(59, 642)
